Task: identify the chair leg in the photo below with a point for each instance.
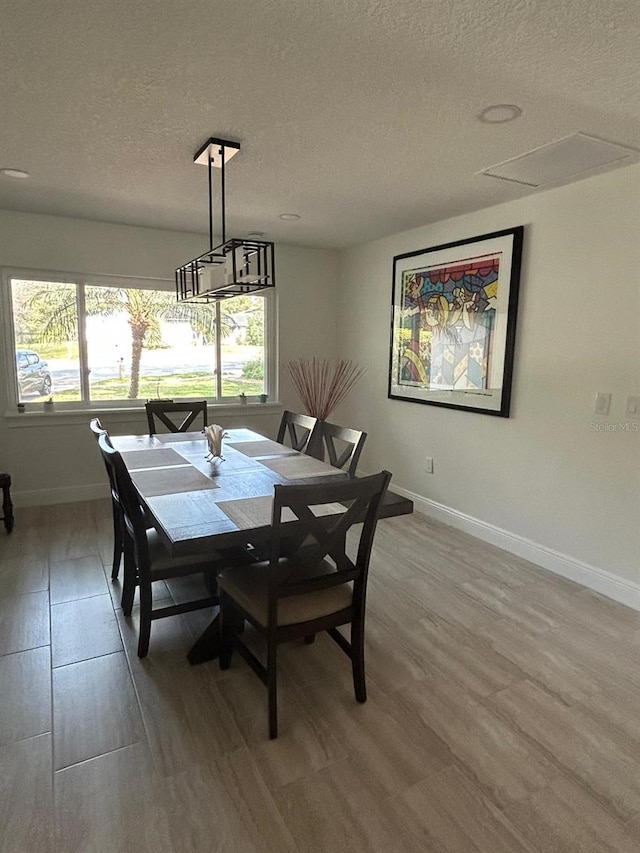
(272, 688)
(357, 659)
(129, 581)
(227, 629)
(117, 547)
(146, 603)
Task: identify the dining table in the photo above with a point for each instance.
(199, 504)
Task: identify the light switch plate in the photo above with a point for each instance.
(633, 407)
(603, 404)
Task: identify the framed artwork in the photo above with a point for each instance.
(453, 323)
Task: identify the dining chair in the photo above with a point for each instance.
(317, 588)
(118, 548)
(149, 556)
(343, 446)
(161, 409)
(302, 431)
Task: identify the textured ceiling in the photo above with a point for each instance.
(360, 116)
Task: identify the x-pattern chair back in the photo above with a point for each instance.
(300, 430)
(343, 445)
(324, 536)
(162, 410)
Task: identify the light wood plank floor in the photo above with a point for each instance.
(502, 713)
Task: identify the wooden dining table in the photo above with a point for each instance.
(200, 505)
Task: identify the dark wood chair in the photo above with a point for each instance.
(161, 409)
(7, 506)
(301, 431)
(316, 588)
(343, 446)
(118, 548)
(151, 559)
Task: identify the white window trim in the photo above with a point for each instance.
(103, 406)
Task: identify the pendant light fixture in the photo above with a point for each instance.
(235, 267)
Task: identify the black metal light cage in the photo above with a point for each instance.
(234, 268)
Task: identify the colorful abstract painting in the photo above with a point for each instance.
(454, 322)
(448, 319)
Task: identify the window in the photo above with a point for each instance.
(88, 341)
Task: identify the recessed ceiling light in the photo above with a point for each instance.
(14, 173)
(256, 235)
(500, 113)
(289, 217)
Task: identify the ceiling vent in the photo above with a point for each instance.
(561, 161)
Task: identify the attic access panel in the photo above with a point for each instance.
(561, 161)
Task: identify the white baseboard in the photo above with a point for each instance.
(63, 495)
(619, 589)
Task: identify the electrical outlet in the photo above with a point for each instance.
(603, 404)
(428, 464)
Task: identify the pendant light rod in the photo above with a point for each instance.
(210, 167)
(224, 224)
(214, 154)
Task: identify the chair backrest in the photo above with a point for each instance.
(160, 409)
(96, 427)
(300, 430)
(123, 491)
(343, 445)
(323, 538)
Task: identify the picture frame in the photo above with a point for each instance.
(453, 323)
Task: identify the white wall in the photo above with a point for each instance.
(53, 457)
(543, 475)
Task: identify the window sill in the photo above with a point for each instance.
(17, 420)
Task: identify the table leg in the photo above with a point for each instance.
(207, 645)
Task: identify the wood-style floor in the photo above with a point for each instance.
(503, 712)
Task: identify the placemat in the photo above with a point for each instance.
(249, 512)
(133, 442)
(267, 447)
(242, 434)
(163, 457)
(173, 437)
(298, 467)
(167, 481)
(256, 512)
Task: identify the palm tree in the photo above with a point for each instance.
(53, 309)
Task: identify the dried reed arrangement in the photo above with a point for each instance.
(323, 383)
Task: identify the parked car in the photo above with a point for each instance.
(33, 373)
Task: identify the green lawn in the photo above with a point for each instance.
(172, 385)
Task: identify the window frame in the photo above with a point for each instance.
(81, 280)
